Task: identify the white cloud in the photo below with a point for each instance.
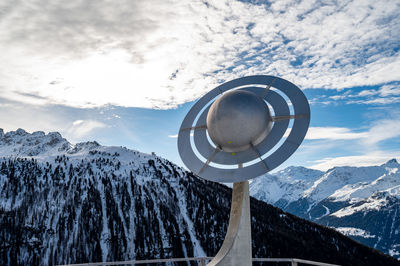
(82, 128)
(333, 133)
(385, 94)
(387, 90)
(160, 54)
(77, 122)
(380, 130)
(379, 95)
(383, 130)
(338, 97)
(366, 142)
(367, 93)
(376, 101)
(173, 136)
(362, 160)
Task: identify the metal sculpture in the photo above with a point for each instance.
(237, 132)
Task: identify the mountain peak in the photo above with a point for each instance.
(55, 135)
(88, 145)
(392, 162)
(10, 134)
(22, 143)
(21, 132)
(38, 134)
(299, 173)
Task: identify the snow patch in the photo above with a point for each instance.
(373, 204)
(352, 231)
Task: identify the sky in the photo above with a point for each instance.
(125, 72)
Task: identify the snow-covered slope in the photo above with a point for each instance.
(341, 197)
(339, 177)
(285, 186)
(63, 203)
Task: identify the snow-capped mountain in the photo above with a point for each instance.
(70, 203)
(19, 143)
(343, 198)
(284, 187)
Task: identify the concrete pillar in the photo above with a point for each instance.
(236, 249)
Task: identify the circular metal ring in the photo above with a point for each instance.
(208, 157)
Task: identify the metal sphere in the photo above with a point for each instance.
(237, 120)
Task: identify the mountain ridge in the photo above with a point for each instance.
(341, 198)
(96, 203)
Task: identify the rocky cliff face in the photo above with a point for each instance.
(62, 203)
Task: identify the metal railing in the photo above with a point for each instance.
(202, 261)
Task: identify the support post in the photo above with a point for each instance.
(236, 249)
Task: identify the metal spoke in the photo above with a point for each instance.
(209, 160)
(259, 156)
(287, 117)
(265, 91)
(194, 128)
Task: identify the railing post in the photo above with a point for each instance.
(202, 262)
(294, 263)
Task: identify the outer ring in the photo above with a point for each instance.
(289, 146)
